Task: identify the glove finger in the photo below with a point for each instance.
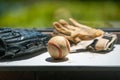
(61, 28)
(73, 38)
(75, 23)
(89, 30)
(56, 33)
(81, 27)
(67, 25)
(63, 22)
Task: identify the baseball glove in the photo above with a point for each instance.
(16, 42)
(75, 32)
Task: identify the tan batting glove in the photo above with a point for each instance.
(75, 32)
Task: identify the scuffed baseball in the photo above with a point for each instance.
(58, 47)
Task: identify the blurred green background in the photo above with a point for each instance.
(42, 13)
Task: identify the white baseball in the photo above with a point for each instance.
(58, 47)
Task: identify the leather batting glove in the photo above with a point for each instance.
(75, 32)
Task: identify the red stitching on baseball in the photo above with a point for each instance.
(67, 43)
(59, 50)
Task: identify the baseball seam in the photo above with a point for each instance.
(59, 50)
(67, 43)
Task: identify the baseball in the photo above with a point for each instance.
(58, 47)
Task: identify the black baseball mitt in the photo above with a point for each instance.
(16, 42)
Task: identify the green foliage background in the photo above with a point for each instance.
(41, 14)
